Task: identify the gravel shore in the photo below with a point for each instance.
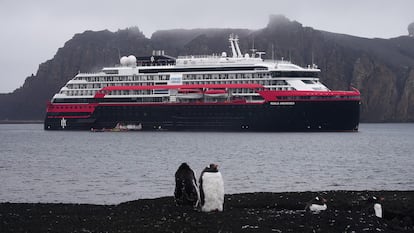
(347, 211)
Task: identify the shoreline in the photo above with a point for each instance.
(245, 212)
(42, 121)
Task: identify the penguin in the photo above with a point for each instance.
(316, 205)
(186, 189)
(211, 189)
(374, 204)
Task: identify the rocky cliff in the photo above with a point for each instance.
(382, 69)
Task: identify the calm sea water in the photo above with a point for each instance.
(113, 167)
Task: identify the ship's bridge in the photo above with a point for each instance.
(216, 60)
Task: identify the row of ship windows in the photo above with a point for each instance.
(98, 86)
(101, 85)
(71, 107)
(105, 100)
(226, 76)
(145, 92)
(150, 92)
(261, 82)
(166, 77)
(124, 78)
(314, 97)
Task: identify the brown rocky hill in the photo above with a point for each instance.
(382, 69)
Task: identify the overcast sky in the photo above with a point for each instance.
(32, 31)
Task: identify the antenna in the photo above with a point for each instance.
(313, 62)
(253, 49)
(236, 43)
(233, 49)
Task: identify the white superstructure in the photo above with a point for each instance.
(197, 70)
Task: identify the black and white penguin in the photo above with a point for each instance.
(374, 206)
(211, 189)
(186, 189)
(316, 205)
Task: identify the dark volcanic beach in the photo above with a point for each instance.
(248, 212)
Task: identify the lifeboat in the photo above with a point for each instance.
(216, 93)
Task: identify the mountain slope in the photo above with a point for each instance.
(382, 69)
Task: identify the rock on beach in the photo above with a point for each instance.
(246, 212)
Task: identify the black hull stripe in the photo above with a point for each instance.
(301, 116)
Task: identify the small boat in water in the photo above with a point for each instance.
(120, 127)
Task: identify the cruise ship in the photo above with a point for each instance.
(240, 92)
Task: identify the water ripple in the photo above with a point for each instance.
(108, 168)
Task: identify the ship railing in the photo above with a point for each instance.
(277, 61)
(217, 57)
(198, 56)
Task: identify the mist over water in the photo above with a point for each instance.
(113, 167)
